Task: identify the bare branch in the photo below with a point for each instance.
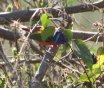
(86, 35)
(9, 35)
(85, 7)
(45, 63)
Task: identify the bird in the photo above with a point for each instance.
(54, 36)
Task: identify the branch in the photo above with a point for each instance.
(9, 35)
(24, 15)
(86, 35)
(45, 63)
(85, 7)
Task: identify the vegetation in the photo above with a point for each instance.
(39, 49)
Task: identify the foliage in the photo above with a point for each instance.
(73, 64)
(82, 51)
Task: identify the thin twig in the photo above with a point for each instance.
(28, 34)
(92, 37)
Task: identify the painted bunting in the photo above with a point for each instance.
(55, 36)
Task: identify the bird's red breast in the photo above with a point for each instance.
(47, 43)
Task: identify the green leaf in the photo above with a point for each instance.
(70, 2)
(100, 55)
(96, 68)
(48, 32)
(68, 34)
(91, 74)
(14, 51)
(0, 81)
(83, 52)
(83, 78)
(45, 21)
(42, 3)
(9, 8)
(100, 51)
(36, 66)
(23, 68)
